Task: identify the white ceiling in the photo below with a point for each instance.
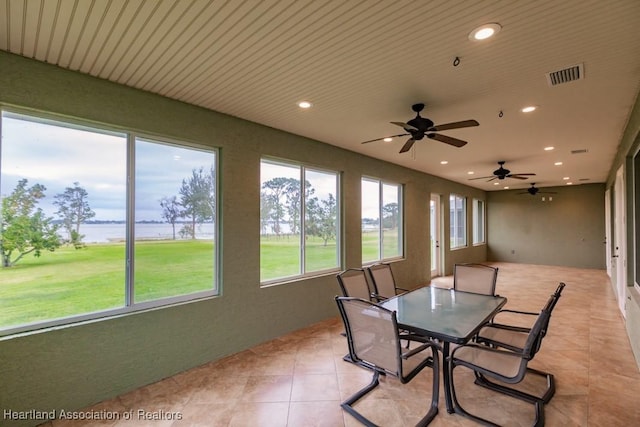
(363, 63)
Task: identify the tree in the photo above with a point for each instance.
(390, 215)
(321, 218)
(197, 197)
(171, 211)
(275, 190)
(24, 229)
(74, 209)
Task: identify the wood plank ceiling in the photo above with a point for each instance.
(363, 63)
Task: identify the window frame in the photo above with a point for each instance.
(453, 225)
(130, 136)
(302, 261)
(401, 228)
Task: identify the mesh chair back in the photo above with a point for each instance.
(372, 334)
(476, 278)
(383, 281)
(538, 330)
(353, 283)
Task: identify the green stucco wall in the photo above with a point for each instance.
(567, 230)
(78, 365)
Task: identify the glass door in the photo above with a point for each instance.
(435, 235)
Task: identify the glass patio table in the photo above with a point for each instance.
(448, 315)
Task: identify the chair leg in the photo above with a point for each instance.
(483, 381)
(538, 404)
(435, 392)
(346, 405)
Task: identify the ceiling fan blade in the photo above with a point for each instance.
(404, 126)
(407, 146)
(380, 139)
(447, 140)
(520, 175)
(482, 177)
(455, 125)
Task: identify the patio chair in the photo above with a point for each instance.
(374, 343)
(384, 284)
(514, 338)
(353, 283)
(506, 366)
(476, 278)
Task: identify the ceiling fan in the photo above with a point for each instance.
(502, 173)
(419, 127)
(533, 190)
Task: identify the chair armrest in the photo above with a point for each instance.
(378, 298)
(508, 327)
(419, 349)
(505, 310)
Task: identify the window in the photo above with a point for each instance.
(478, 221)
(382, 227)
(457, 221)
(299, 229)
(78, 241)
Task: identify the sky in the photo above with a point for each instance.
(57, 156)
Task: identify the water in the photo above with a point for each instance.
(102, 233)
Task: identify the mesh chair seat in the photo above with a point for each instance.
(499, 363)
(501, 337)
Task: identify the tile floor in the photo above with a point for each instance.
(299, 379)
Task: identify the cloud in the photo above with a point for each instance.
(56, 156)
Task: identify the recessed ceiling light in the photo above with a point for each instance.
(566, 178)
(444, 162)
(388, 139)
(304, 104)
(470, 173)
(506, 188)
(558, 163)
(496, 183)
(549, 148)
(569, 183)
(485, 31)
(529, 109)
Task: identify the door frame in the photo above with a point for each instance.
(435, 228)
(618, 258)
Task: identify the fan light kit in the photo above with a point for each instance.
(420, 127)
(485, 31)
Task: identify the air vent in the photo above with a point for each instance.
(580, 151)
(566, 75)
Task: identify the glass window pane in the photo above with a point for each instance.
(457, 218)
(370, 220)
(478, 221)
(175, 221)
(66, 186)
(279, 221)
(391, 218)
(321, 221)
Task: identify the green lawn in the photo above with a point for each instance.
(70, 282)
